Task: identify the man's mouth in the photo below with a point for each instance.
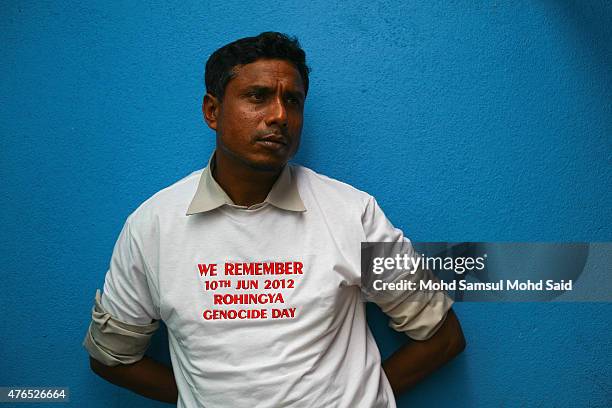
(273, 138)
(272, 141)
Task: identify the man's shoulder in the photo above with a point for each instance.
(171, 200)
(325, 188)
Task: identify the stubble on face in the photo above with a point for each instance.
(261, 115)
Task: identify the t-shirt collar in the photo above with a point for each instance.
(209, 194)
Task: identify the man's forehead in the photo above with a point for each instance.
(268, 71)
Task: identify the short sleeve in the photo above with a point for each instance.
(416, 313)
(125, 316)
(128, 294)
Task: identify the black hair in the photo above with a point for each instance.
(267, 45)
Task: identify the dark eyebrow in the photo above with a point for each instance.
(267, 89)
(259, 88)
(296, 94)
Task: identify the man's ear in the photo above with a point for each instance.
(210, 110)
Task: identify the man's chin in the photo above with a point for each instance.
(268, 162)
(266, 165)
(264, 162)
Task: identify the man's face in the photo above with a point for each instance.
(259, 121)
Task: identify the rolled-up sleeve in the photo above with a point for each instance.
(416, 313)
(126, 315)
(113, 342)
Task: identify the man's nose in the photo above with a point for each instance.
(277, 113)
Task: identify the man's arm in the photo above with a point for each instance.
(146, 377)
(124, 318)
(415, 360)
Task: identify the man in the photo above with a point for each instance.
(254, 266)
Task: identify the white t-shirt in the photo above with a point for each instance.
(263, 304)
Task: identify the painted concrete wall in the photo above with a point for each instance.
(467, 120)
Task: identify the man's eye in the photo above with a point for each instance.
(256, 96)
(293, 101)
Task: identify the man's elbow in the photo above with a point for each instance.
(95, 365)
(99, 369)
(457, 344)
(455, 340)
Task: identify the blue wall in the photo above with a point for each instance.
(467, 120)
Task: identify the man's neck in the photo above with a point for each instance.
(245, 185)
